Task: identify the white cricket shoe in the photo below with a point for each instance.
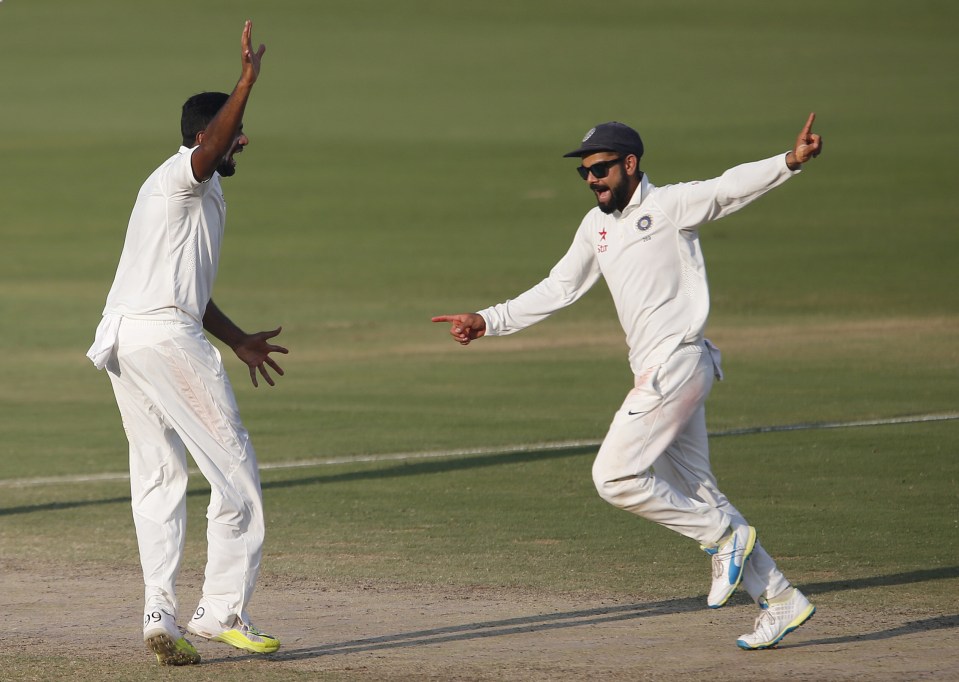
(164, 639)
(728, 561)
(775, 621)
(240, 634)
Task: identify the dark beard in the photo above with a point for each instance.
(226, 169)
(618, 201)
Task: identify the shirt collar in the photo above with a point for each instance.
(642, 191)
(640, 194)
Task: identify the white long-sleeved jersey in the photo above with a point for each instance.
(650, 256)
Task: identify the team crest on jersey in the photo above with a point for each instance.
(644, 223)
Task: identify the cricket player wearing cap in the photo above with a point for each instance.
(654, 461)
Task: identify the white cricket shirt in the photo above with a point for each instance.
(650, 256)
(171, 252)
(172, 248)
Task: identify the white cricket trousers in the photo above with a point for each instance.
(654, 461)
(174, 395)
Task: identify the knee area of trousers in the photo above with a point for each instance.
(243, 516)
(600, 479)
(623, 491)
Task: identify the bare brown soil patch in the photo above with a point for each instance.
(60, 624)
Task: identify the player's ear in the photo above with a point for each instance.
(631, 164)
(198, 139)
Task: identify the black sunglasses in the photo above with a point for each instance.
(599, 170)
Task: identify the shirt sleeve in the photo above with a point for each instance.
(570, 278)
(690, 204)
(178, 177)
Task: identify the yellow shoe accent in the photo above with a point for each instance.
(729, 560)
(248, 638)
(170, 652)
(776, 620)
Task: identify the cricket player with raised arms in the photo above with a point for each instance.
(172, 389)
(654, 460)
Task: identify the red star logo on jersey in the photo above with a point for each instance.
(602, 235)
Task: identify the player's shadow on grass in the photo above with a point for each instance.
(912, 627)
(569, 619)
(921, 576)
(495, 628)
(609, 614)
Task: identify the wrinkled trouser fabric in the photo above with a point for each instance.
(654, 461)
(174, 395)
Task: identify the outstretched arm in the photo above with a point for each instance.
(808, 145)
(253, 349)
(464, 327)
(690, 204)
(217, 140)
(569, 279)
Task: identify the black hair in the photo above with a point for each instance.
(198, 111)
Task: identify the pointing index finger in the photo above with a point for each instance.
(808, 127)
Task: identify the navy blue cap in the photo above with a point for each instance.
(610, 137)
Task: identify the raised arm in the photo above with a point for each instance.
(217, 140)
(690, 204)
(253, 349)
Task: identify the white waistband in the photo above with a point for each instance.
(162, 316)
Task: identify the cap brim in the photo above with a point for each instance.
(586, 151)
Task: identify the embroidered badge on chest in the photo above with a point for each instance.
(644, 223)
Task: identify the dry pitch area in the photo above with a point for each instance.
(86, 626)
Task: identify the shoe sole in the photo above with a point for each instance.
(799, 620)
(170, 652)
(750, 545)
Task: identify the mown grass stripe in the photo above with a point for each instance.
(467, 452)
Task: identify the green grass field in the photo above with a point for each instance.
(405, 161)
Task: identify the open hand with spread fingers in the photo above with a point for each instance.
(250, 60)
(255, 349)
